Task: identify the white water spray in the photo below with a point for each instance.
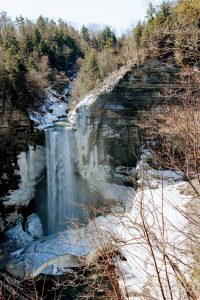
(60, 176)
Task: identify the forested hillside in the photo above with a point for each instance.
(34, 54)
(170, 32)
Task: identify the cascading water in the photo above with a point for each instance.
(60, 176)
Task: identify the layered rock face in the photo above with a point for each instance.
(20, 164)
(14, 134)
(106, 122)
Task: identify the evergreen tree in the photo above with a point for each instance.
(37, 37)
(107, 38)
(90, 73)
(85, 34)
(163, 13)
(28, 44)
(138, 32)
(151, 12)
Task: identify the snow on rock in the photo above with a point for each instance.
(31, 166)
(55, 254)
(87, 154)
(160, 211)
(163, 212)
(159, 207)
(58, 253)
(157, 224)
(125, 174)
(83, 108)
(53, 109)
(164, 175)
(95, 174)
(33, 226)
(149, 177)
(17, 238)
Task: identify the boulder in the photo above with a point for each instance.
(33, 226)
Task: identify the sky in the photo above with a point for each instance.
(118, 13)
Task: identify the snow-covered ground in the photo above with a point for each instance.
(54, 108)
(162, 209)
(152, 236)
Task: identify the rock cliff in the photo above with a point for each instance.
(106, 122)
(17, 153)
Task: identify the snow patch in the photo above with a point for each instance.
(31, 166)
(53, 109)
(33, 226)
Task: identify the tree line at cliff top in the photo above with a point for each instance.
(33, 55)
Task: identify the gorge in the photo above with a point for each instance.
(100, 140)
(100, 150)
(93, 155)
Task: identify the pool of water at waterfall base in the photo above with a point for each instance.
(86, 205)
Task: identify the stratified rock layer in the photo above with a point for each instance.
(106, 122)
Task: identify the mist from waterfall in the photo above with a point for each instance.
(60, 176)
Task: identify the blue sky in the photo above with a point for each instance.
(118, 13)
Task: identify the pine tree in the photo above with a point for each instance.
(90, 73)
(107, 38)
(85, 34)
(151, 12)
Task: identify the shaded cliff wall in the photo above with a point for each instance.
(14, 134)
(17, 146)
(106, 122)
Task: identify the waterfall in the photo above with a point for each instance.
(60, 176)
